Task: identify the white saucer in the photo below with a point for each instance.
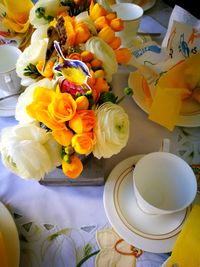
(145, 4)
(186, 119)
(10, 234)
(165, 262)
(7, 106)
(153, 233)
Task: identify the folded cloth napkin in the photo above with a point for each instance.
(14, 20)
(172, 88)
(171, 69)
(3, 255)
(186, 251)
(17, 21)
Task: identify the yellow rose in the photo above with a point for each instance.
(62, 107)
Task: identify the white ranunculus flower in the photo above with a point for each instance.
(51, 8)
(111, 131)
(105, 53)
(31, 54)
(39, 34)
(29, 151)
(27, 97)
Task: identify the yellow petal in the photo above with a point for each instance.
(106, 238)
(43, 94)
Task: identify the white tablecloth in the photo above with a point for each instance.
(57, 224)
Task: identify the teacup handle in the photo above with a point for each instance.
(165, 146)
(8, 80)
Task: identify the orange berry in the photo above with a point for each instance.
(123, 55)
(97, 11)
(88, 65)
(87, 56)
(99, 73)
(96, 64)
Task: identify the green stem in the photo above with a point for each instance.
(120, 100)
(86, 258)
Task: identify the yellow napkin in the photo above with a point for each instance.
(3, 255)
(17, 15)
(172, 88)
(186, 252)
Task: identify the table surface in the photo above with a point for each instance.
(56, 224)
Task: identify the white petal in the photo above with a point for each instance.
(106, 238)
(105, 53)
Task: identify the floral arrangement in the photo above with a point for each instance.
(68, 109)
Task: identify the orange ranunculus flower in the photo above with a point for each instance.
(97, 11)
(107, 34)
(82, 143)
(83, 121)
(117, 24)
(70, 29)
(82, 33)
(101, 22)
(62, 107)
(63, 135)
(101, 85)
(73, 169)
(123, 55)
(116, 42)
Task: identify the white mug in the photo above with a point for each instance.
(163, 183)
(131, 15)
(9, 81)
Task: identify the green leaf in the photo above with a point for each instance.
(31, 71)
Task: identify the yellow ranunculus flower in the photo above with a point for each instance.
(82, 143)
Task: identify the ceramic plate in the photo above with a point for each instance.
(190, 113)
(145, 4)
(153, 233)
(10, 234)
(7, 106)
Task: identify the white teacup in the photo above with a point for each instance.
(163, 183)
(9, 81)
(131, 15)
